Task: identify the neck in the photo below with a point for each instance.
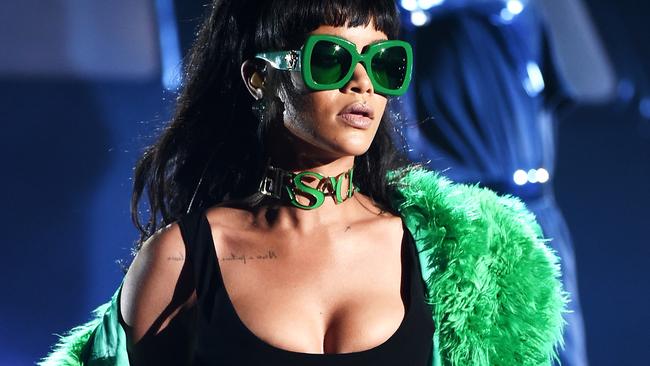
(295, 156)
(316, 190)
(307, 189)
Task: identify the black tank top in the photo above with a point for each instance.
(222, 339)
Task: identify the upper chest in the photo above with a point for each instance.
(334, 291)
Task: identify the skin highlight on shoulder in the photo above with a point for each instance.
(155, 292)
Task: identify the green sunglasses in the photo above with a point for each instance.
(328, 62)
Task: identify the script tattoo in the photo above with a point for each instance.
(177, 258)
(270, 254)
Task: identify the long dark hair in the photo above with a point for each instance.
(213, 149)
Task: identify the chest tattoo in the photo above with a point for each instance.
(244, 258)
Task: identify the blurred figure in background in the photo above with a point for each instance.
(492, 77)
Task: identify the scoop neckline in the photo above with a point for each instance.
(255, 338)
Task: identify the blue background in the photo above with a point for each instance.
(74, 124)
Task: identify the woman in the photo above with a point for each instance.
(297, 234)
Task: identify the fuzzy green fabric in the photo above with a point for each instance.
(71, 345)
(99, 342)
(493, 283)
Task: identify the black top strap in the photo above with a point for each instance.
(197, 237)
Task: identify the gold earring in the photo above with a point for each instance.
(257, 80)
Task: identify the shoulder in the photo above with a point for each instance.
(158, 284)
(485, 253)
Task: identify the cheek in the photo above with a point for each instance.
(298, 115)
(309, 112)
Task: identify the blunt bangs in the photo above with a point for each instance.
(284, 24)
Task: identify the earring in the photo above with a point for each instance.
(259, 108)
(258, 80)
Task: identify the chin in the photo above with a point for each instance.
(355, 150)
(354, 145)
(341, 144)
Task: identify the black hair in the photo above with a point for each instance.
(213, 150)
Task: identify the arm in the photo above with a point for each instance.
(157, 302)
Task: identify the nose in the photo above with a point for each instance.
(360, 81)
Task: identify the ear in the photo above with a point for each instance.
(254, 78)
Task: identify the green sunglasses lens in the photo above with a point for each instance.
(389, 67)
(329, 62)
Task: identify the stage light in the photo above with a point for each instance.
(428, 4)
(410, 5)
(515, 7)
(506, 15)
(419, 18)
(418, 9)
(511, 9)
(534, 84)
(520, 177)
(542, 175)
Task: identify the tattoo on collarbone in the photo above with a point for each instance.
(244, 258)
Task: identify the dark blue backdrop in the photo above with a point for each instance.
(69, 142)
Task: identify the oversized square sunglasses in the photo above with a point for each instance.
(328, 62)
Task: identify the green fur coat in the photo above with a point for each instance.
(493, 283)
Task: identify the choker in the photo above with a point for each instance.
(281, 184)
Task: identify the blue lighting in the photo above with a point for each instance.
(170, 50)
(428, 4)
(506, 15)
(511, 9)
(522, 177)
(644, 107)
(410, 5)
(542, 175)
(515, 7)
(419, 9)
(626, 90)
(419, 18)
(534, 83)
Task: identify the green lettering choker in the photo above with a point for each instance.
(281, 184)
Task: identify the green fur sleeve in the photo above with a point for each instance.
(493, 283)
(99, 342)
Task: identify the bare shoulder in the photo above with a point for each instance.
(158, 285)
(387, 226)
(375, 213)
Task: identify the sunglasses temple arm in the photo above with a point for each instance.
(282, 60)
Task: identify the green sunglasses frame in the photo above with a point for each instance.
(300, 60)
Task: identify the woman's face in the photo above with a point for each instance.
(317, 118)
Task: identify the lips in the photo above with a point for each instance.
(358, 108)
(357, 115)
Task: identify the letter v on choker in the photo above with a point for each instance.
(281, 184)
